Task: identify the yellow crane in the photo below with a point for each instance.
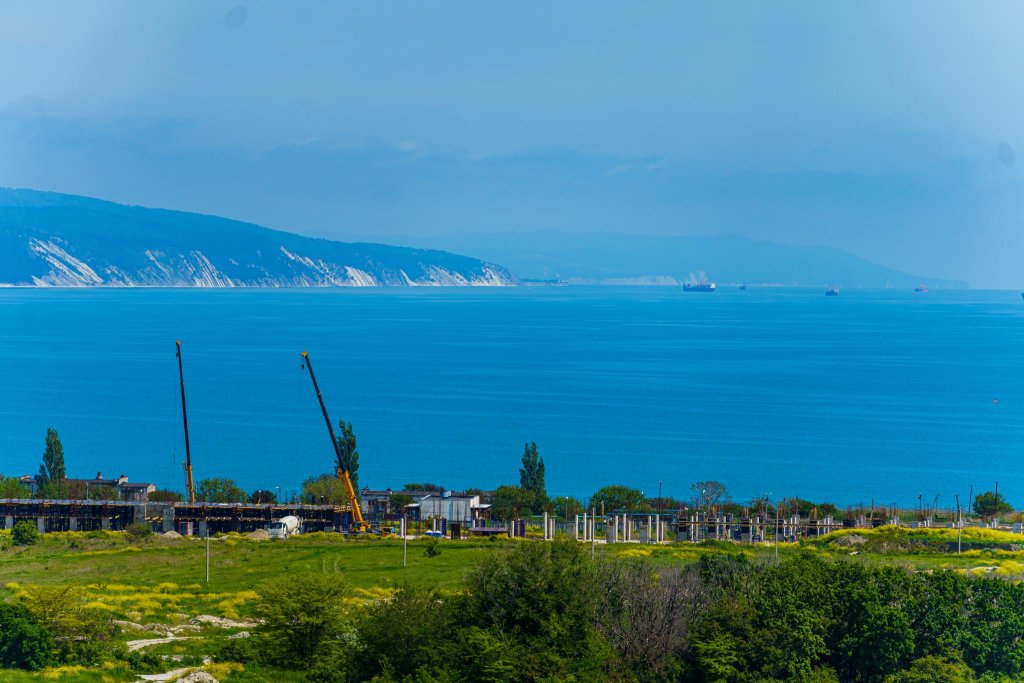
(189, 486)
(358, 523)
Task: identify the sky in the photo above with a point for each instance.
(890, 130)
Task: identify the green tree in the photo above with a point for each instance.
(165, 496)
(25, 533)
(990, 505)
(934, 669)
(24, 642)
(52, 475)
(80, 635)
(413, 617)
(398, 501)
(620, 498)
(303, 618)
(531, 478)
(424, 486)
(103, 492)
(326, 488)
(542, 596)
(349, 453)
(11, 487)
(566, 507)
(263, 497)
(510, 502)
(219, 490)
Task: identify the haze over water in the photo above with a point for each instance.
(874, 394)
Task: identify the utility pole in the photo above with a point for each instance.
(207, 554)
(405, 539)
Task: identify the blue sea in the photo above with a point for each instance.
(872, 395)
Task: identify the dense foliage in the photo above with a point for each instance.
(220, 490)
(326, 489)
(546, 611)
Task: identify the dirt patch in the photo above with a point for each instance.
(258, 535)
(171, 534)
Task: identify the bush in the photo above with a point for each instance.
(80, 636)
(139, 531)
(25, 533)
(303, 617)
(433, 549)
(24, 642)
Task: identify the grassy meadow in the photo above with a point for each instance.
(159, 582)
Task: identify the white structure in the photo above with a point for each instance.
(450, 505)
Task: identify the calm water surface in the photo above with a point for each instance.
(873, 394)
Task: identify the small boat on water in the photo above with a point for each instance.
(743, 287)
(832, 291)
(699, 283)
(921, 288)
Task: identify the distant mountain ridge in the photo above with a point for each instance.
(618, 259)
(50, 239)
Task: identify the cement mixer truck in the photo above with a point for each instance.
(284, 527)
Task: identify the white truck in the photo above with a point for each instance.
(284, 527)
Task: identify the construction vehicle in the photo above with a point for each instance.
(359, 525)
(189, 486)
(284, 527)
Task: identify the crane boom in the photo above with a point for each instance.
(357, 513)
(189, 487)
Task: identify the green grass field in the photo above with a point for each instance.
(163, 581)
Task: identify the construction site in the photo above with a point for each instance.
(436, 513)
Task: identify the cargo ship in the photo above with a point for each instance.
(920, 288)
(832, 291)
(699, 283)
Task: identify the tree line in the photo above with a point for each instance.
(528, 498)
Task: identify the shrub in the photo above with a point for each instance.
(139, 531)
(80, 636)
(302, 617)
(24, 642)
(433, 549)
(25, 533)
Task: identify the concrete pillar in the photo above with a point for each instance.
(105, 523)
(204, 528)
(41, 524)
(9, 521)
(168, 519)
(585, 537)
(73, 524)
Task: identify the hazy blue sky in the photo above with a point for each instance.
(887, 129)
